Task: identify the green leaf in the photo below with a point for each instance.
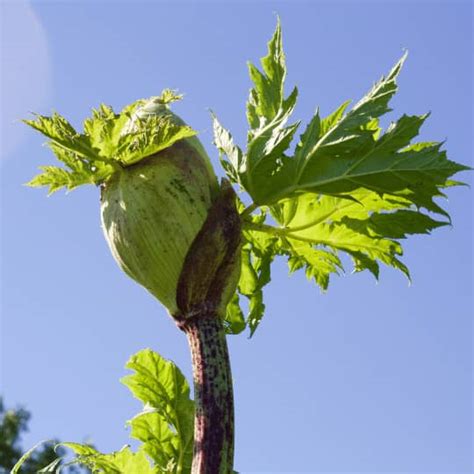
(118, 462)
(116, 134)
(251, 286)
(388, 165)
(169, 96)
(315, 130)
(366, 227)
(166, 426)
(264, 160)
(16, 468)
(256, 311)
(344, 152)
(248, 282)
(104, 128)
(225, 144)
(63, 134)
(320, 221)
(83, 163)
(109, 141)
(78, 172)
(318, 264)
(234, 320)
(143, 128)
(268, 112)
(160, 442)
(148, 136)
(266, 97)
(257, 255)
(315, 229)
(396, 225)
(56, 178)
(341, 153)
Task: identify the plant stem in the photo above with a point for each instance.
(213, 396)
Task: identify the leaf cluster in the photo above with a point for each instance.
(164, 427)
(347, 186)
(109, 141)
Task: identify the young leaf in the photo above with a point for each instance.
(165, 426)
(63, 134)
(78, 171)
(83, 163)
(225, 144)
(257, 256)
(167, 423)
(160, 442)
(109, 141)
(118, 462)
(250, 285)
(105, 127)
(148, 136)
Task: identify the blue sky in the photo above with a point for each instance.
(369, 377)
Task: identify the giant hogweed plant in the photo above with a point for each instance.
(346, 187)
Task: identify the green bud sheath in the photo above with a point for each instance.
(166, 221)
(151, 213)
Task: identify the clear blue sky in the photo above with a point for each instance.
(366, 378)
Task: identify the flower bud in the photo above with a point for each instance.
(153, 210)
(151, 213)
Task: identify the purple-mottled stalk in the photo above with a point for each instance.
(213, 396)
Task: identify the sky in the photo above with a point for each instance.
(368, 377)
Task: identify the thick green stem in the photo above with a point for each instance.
(213, 395)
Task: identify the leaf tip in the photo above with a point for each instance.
(278, 18)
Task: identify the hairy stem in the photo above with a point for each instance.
(213, 394)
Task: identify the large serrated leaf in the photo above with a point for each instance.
(366, 227)
(340, 153)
